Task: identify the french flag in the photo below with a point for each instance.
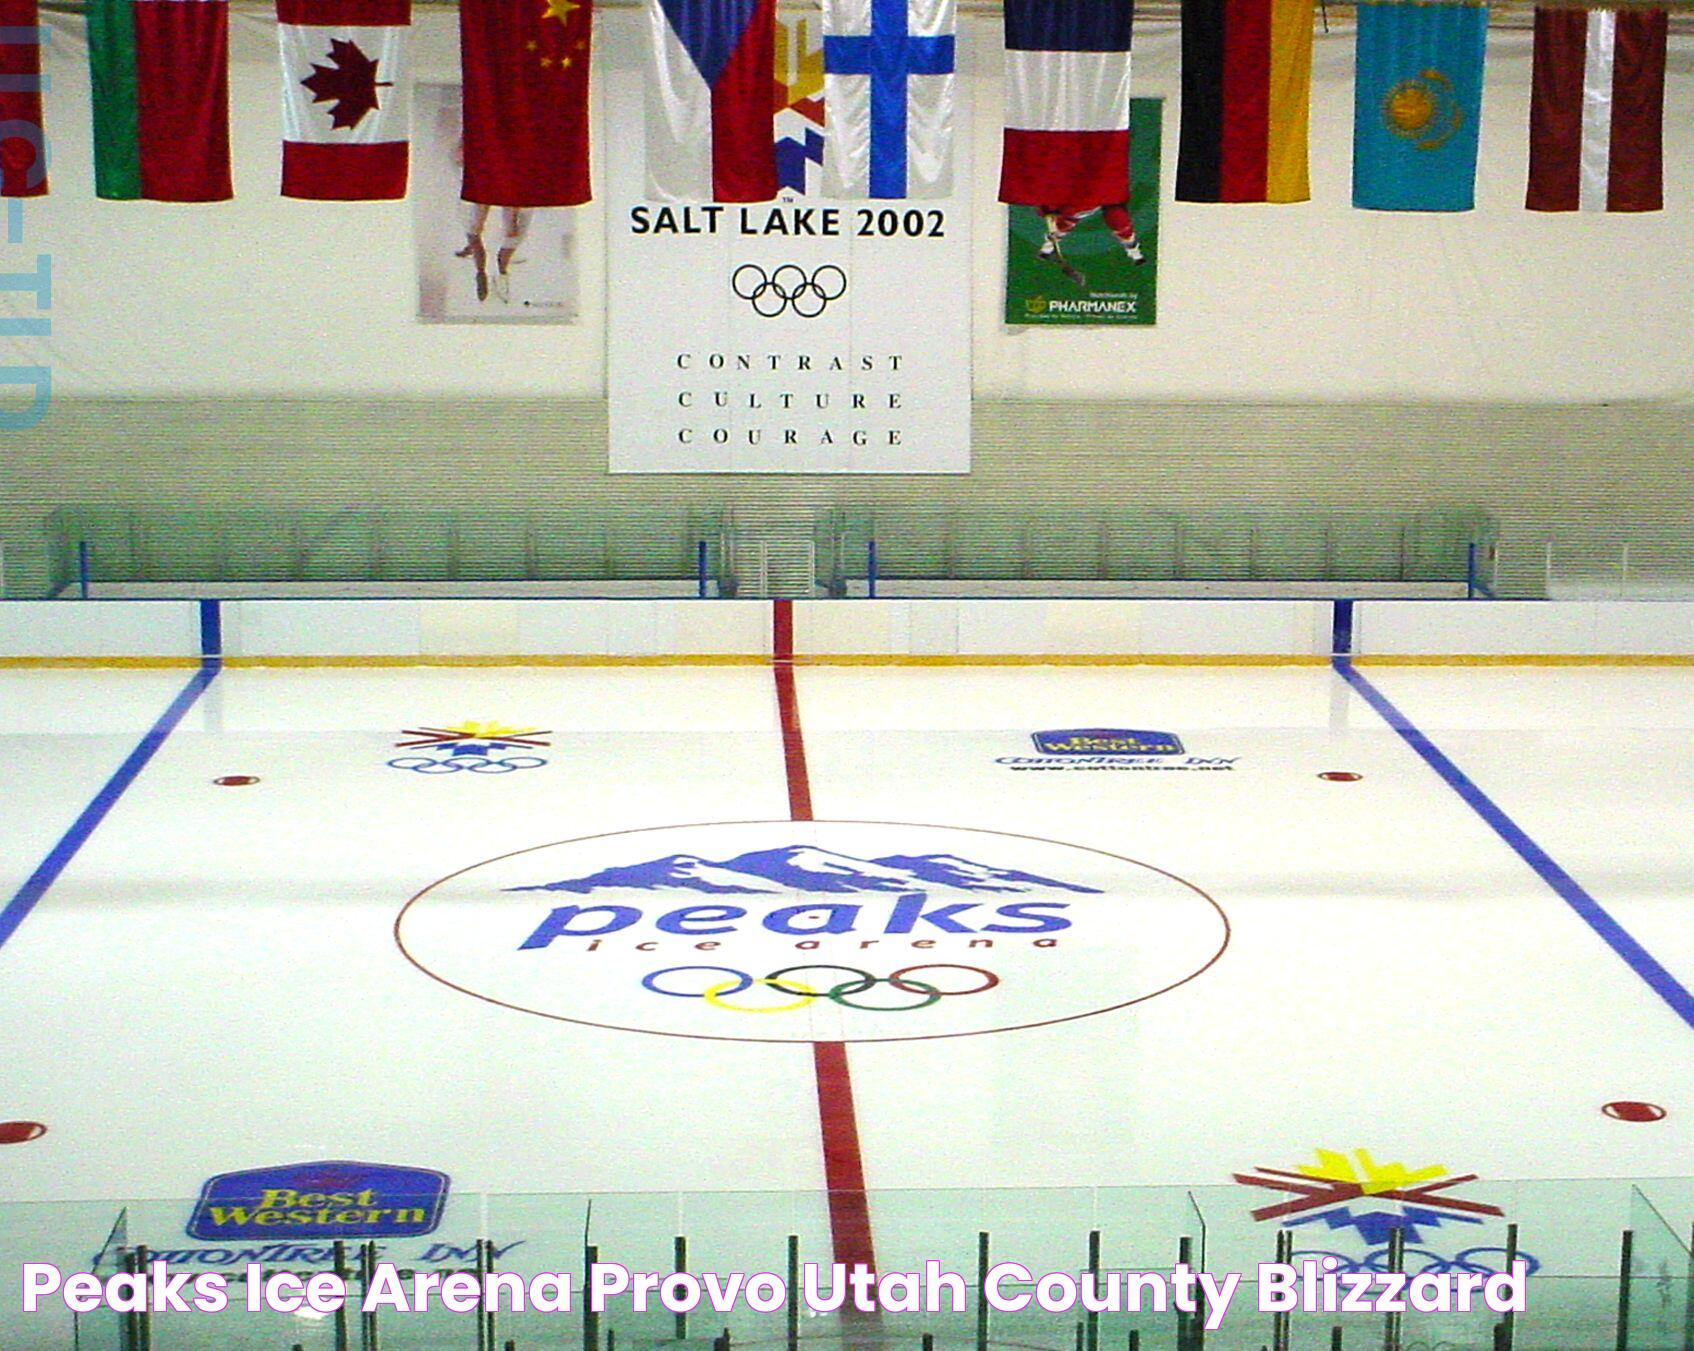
(710, 132)
(1067, 103)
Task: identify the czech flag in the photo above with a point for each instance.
(711, 136)
(1067, 103)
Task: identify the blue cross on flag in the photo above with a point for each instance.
(889, 89)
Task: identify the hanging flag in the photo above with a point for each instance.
(710, 135)
(526, 67)
(344, 114)
(1067, 103)
(1246, 101)
(1417, 105)
(23, 143)
(160, 74)
(1597, 109)
(889, 68)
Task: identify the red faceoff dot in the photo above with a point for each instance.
(20, 1132)
(1340, 776)
(1634, 1111)
(236, 780)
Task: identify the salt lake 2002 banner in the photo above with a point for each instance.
(803, 335)
(1092, 264)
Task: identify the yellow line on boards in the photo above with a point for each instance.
(98, 663)
(1192, 659)
(557, 659)
(1060, 659)
(1533, 659)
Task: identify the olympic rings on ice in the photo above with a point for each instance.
(847, 993)
(476, 764)
(1470, 1261)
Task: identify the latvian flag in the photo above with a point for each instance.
(711, 136)
(160, 75)
(344, 104)
(1596, 115)
(889, 82)
(1067, 103)
(23, 143)
(1246, 101)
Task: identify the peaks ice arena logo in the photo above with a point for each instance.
(808, 868)
(334, 1199)
(1111, 748)
(470, 747)
(812, 931)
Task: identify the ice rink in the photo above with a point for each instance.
(1371, 941)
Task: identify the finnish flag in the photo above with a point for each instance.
(889, 68)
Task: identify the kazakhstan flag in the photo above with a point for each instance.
(1417, 104)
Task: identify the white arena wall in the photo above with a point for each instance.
(360, 632)
(262, 354)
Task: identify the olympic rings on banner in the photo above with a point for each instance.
(846, 993)
(476, 764)
(789, 287)
(1471, 1261)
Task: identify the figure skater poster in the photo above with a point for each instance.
(481, 264)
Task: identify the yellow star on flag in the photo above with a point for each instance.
(560, 9)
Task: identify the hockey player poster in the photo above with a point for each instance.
(1092, 263)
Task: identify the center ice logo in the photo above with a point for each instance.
(808, 931)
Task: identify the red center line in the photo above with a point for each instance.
(843, 1162)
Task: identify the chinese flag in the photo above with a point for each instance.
(526, 101)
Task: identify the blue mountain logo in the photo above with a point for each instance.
(807, 868)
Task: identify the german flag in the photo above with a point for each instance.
(1246, 100)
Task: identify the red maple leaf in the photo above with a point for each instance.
(349, 82)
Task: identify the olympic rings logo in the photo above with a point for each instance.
(1470, 1261)
(476, 764)
(802, 993)
(789, 288)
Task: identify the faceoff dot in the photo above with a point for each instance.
(1634, 1111)
(20, 1132)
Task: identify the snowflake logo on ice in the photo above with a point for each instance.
(1343, 1190)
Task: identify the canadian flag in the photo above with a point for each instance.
(344, 98)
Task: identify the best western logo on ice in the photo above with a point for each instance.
(320, 1200)
(808, 931)
(1111, 748)
(1106, 741)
